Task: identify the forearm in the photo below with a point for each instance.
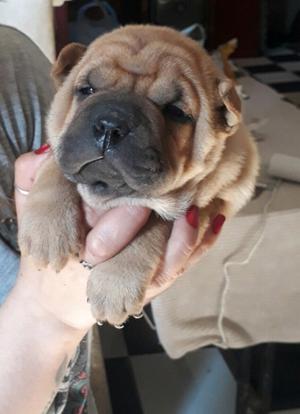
(35, 350)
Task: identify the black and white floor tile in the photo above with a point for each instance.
(281, 71)
(141, 377)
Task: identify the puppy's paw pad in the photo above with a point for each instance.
(49, 239)
(112, 301)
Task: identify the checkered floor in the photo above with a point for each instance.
(280, 71)
(120, 347)
(141, 378)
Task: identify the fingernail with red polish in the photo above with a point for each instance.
(217, 223)
(192, 216)
(44, 148)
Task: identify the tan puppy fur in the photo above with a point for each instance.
(209, 157)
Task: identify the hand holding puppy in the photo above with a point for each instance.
(141, 117)
(63, 294)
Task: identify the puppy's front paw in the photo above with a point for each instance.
(50, 236)
(114, 298)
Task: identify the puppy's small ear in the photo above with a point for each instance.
(66, 60)
(231, 105)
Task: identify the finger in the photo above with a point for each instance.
(91, 215)
(26, 167)
(180, 246)
(210, 237)
(114, 230)
(155, 289)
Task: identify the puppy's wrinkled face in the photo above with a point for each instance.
(113, 144)
(141, 113)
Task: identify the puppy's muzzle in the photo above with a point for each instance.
(114, 142)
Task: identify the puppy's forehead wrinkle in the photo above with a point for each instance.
(153, 42)
(127, 43)
(163, 91)
(142, 60)
(154, 63)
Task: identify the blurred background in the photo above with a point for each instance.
(259, 25)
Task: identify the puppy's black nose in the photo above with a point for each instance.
(109, 132)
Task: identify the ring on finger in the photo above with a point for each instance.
(86, 264)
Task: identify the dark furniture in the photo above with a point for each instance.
(268, 377)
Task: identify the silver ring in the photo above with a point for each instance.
(86, 264)
(21, 191)
(100, 323)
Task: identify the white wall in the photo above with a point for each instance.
(34, 18)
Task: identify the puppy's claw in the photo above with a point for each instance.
(49, 233)
(112, 302)
(121, 326)
(138, 315)
(59, 264)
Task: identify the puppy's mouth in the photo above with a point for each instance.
(103, 189)
(112, 174)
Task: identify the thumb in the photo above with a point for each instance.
(26, 167)
(114, 230)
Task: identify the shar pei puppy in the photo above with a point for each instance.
(141, 117)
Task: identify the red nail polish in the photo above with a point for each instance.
(44, 148)
(192, 216)
(217, 223)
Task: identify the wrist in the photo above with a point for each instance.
(59, 297)
(36, 344)
(27, 309)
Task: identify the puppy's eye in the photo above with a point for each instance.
(86, 91)
(177, 114)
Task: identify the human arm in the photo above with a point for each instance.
(46, 315)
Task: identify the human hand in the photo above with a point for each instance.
(63, 294)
